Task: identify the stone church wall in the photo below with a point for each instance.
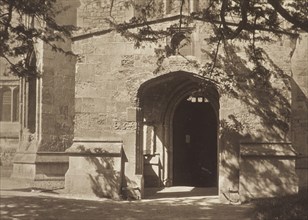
(57, 107)
(110, 72)
(97, 99)
(9, 125)
(47, 114)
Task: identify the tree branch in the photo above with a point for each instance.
(5, 14)
(111, 8)
(243, 22)
(241, 25)
(286, 15)
(11, 64)
(223, 9)
(9, 19)
(217, 50)
(181, 14)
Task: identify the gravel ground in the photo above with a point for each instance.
(43, 207)
(19, 200)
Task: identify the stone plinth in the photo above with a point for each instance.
(267, 170)
(40, 166)
(95, 169)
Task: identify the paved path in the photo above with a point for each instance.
(24, 203)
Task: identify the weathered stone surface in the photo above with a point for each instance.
(115, 92)
(299, 118)
(121, 74)
(40, 166)
(95, 168)
(9, 125)
(47, 115)
(267, 170)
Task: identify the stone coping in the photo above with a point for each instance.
(267, 149)
(40, 157)
(51, 157)
(96, 148)
(97, 140)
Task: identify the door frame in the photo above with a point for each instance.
(168, 117)
(193, 83)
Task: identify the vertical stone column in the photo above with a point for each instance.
(299, 107)
(139, 147)
(24, 161)
(46, 120)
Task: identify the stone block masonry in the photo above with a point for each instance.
(119, 103)
(108, 83)
(96, 168)
(267, 170)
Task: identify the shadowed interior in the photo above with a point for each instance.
(195, 144)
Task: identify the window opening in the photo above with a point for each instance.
(5, 104)
(16, 104)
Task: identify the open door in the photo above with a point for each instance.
(195, 144)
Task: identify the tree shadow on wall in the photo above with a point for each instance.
(258, 175)
(264, 89)
(266, 172)
(106, 174)
(262, 117)
(104, 177)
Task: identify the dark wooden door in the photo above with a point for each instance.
(195, 145)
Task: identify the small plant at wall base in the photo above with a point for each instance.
(7, 153)
(23, 23)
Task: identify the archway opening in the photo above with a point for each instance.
(195, 143)
(165, 104)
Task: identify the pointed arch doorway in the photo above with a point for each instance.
(177, 131)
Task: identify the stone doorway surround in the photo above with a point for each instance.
(158, 101)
